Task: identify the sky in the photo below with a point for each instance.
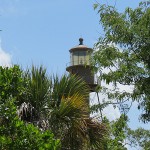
(41, 32)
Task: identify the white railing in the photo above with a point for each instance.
(81, 62)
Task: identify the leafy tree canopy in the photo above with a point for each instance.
(14, 133)
(124, 51)
(139, 137)
(46, 104)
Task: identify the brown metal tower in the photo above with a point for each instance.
(80, 64)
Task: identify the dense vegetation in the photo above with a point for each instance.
(38, 111)
(124, 52)
(122, 58)
(15, 133)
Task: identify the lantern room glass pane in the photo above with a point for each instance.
(82, 55)
(75, 58)
(71, 59)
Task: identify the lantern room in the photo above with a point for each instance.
(80, 55)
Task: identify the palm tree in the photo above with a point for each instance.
(69, 110)
(61, 105)
(32, 102)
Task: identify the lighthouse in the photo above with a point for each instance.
(80, 64)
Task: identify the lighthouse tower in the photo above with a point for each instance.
(80, 64)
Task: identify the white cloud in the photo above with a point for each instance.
(5, 58)
(110, 112)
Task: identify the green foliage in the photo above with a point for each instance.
(15, 134)
(124, 51)
(68, 86)
(139, 137)
(97, 135)
(97, 107)
(68, 115)
(46, 104)
(117, 134)
(37, 85)
(11, 82)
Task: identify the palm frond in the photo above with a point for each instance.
(97, 133)
(38, 87)
(67, 86)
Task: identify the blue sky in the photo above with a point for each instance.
(42, 31)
